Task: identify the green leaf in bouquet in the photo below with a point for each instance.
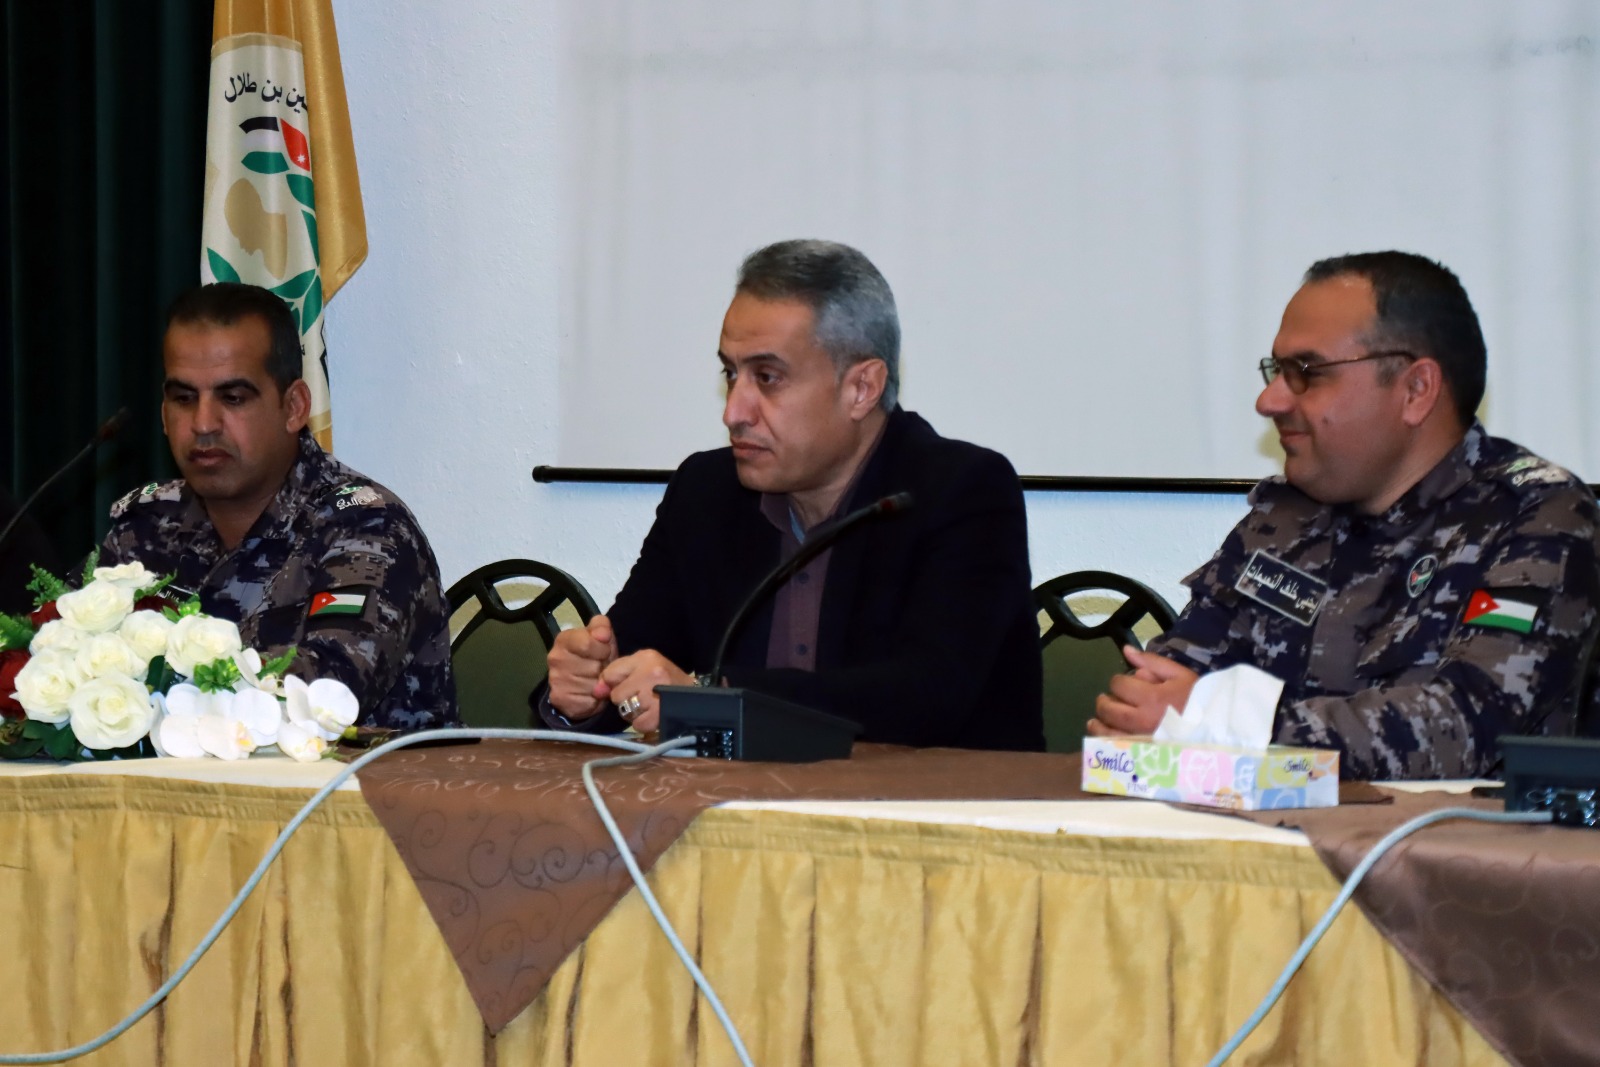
(45, 586)
(154, 590)
(90, 564)
(188, 607)
(64, 745)
(216, 676)
(141, 749)
(160, 675)
(34, 730)
(278, 664)
(24, 748)
(15, 632)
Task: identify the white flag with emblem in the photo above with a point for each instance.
(282, 201)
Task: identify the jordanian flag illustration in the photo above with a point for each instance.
(334, 603)
(1486, 609)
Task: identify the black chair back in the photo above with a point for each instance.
(1079, 656)
(499, 652)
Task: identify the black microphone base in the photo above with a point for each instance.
(1560, 775)
(743, 724)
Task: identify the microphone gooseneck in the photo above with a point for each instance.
(813, 547)
(108, 429)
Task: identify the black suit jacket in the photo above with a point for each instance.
(928, 633)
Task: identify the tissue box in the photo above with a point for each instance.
(1221, 776)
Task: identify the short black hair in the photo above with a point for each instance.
(855, 316)
(1421, 306)
(225, 303)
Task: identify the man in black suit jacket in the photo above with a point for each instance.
(919, 626)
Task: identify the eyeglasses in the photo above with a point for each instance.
(1300, 371)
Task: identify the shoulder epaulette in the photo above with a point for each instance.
(146, 494)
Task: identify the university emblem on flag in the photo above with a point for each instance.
(260, 218)
(1500, 611)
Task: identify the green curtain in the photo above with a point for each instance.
(104, 129)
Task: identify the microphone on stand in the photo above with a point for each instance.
(108, 429)
(738, 723)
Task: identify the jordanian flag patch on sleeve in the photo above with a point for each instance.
(1502, 611)
(336, 602)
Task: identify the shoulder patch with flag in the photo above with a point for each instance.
(1502, 610)
(332, 603)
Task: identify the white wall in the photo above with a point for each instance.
(442, 348)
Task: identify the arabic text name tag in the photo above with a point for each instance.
(1287, 590)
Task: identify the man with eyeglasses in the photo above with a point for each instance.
(1421, 587)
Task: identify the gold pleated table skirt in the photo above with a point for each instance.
(832, 941)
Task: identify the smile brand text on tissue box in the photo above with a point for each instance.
(1219, 776)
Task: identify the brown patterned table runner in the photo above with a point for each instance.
(1503, 920)
(516, 868)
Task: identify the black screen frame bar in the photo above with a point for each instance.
(549, 475)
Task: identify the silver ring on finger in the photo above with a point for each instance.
(630, 708)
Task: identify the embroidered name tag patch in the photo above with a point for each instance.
(333, 604)
(1289, 591)
(1502, 610)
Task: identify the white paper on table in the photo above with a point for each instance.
(1233, 706)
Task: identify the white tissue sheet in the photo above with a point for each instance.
(1233, 706)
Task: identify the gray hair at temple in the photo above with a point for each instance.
(855, 316)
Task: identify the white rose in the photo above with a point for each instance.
(301, 743)
(46, 683)
(197, 639)
(111, 712)
(57, 636)
(326, 703)
(97, 607)
(106, 654)
(146, 632)
(131, 576)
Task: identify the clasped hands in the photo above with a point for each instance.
(586, 673)
(1136, 701)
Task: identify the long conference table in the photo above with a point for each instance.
(880, 934)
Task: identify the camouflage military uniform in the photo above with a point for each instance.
(1400, 635)
(330, 539)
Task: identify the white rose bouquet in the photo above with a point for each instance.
(115, 668)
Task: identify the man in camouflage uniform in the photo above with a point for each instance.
(1421, 587)
(274, 533)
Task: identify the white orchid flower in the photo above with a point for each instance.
(223, 736)
(260, 713)
(326, 704)
(301, 742)
(249, 663)
(185, 699)
(177, 736)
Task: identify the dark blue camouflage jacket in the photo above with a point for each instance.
(1411, 640)
(336, 566)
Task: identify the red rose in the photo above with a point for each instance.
(154, 602)
(44, 613)
(10, 663)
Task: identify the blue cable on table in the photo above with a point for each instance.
(638, 753)
(1394, 837)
